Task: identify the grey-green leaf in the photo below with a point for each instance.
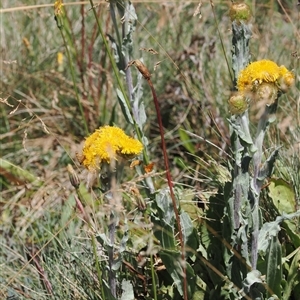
(124, 107)
(274, 267)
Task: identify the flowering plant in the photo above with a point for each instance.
(264, 71)
(107, 143)
(260, 81)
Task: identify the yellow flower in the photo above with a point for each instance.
(107, 143)
(264, 71)
(60, 61)
(26, 43)
(58, 7)
(60, 58)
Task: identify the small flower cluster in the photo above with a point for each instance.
(58, 8)
(107, 143)
(261, 81)
(264, 71)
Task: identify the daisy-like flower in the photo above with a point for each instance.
(264, 71)
(108, 143)
(260, 81)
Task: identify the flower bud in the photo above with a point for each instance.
(286, 80)
(267, 92)
(73, 177)
(237, 104)
(240, 12)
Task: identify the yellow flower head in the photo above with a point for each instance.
(60, 58)
(264, 71)
(58, 7)
(107, 143)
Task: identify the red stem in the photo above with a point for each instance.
(170, 184)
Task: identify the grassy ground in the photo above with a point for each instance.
(46, 248)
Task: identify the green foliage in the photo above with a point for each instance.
(282, 195)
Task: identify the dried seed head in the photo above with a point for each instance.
(141, 67)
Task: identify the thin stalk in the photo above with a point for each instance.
(153, 278)
(60, 21)
(89, 223)
(83, 39)
(146, 74)
(170, 184)
(114, 65)
(256, 182)
(240, 125)
(99, 274)
(124, 59)
(111, 234)
(225, 278)
(221, 40)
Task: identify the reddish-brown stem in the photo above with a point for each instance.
(170, 184)
(80, 62)
(43, 276)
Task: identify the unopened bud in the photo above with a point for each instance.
(73, 177)
(237, 104)
(286, 81)
(267, 92)
(240, 12)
